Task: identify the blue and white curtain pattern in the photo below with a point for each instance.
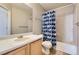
(49, 27)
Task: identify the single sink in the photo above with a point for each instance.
(22, 39)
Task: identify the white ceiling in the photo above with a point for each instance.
(48, 6)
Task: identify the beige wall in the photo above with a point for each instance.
(20, 17)
(37, 13)
(60, 21)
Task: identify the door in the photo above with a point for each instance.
(3, 22)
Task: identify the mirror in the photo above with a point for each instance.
(15, 18)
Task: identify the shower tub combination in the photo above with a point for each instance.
(67, 48)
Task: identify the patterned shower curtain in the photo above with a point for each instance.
(49, 27)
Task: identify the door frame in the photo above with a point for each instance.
(9, 18)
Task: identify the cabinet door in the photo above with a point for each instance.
(27, 49)
(19, 51)
(36, 48)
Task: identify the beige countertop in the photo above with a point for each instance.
(7, 45)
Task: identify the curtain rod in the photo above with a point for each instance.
(59, 8)
(62, 7)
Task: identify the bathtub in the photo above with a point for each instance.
(67, 48)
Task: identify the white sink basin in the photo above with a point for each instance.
(22, 39)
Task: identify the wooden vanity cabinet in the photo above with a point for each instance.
(20, 51)
(27, 49)
(34, 48)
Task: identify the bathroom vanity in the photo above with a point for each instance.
(29, 45)
(33, 48)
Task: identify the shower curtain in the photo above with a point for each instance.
(49, 27)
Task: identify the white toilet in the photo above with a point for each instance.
(46, 46)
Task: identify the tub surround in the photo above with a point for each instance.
(67, 48)
(7, 45)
